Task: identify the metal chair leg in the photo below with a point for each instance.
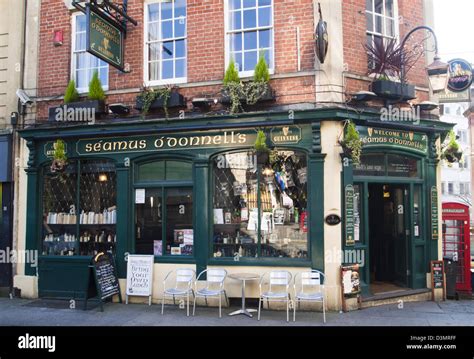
(174, 300)
(294, 311)
(226, 299)
(187, 314)
(163, 304)
(324, 311)
(194, 305)
(287, 311)
(220, 305)
(259, 307)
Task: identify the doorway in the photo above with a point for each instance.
(388, 236)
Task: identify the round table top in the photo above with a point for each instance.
(244, 276)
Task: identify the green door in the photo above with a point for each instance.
(417, 240)
(400, 234)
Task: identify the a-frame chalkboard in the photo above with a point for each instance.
(104, 277)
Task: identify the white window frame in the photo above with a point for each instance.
(172, 81)
(396, 34)
(228, 32)
(81, 90)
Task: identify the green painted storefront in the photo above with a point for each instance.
(129, 144)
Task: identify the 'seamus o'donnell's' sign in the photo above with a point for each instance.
(407, 140)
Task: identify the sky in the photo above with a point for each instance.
(454, 27)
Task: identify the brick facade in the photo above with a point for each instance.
(206, 57)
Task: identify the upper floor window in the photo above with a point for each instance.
(249, 32)
(84, 64)
(165, 42)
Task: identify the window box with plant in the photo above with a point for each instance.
(351, 143)
(159, 98)
(261, 149)
(239, 93)
(95, 102)
(385, 64)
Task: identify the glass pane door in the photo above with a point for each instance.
(149, 223)
(179, 221)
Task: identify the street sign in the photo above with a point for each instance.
(104, 38)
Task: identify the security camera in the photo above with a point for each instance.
(24, 98)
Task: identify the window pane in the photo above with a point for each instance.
(378, 24)
(181, 171)
(237, 56)
(154, 52)
(264, 16)
(378, 6)
(153, 70)
(250, 19)
(104, 75)
(370, 21)
(371, 164)
(167, 48)
(250, 60)
(368, 5)
(402, 166)
(264, 38)
(389, 8)
(179, 221)
(235, 205)
(235, 4)
(180, 68)
(59, 211)
(153, 30)
(167, 69)
(80, 23)
(80, 42)
(249, 3)
(152, 171)
(166, 10)
(149, 223)
(390, 24)
(98, 205)
(153, 12)
(264, 2)
(236, 42)
(179, 8)
(283, 194)
(180, 48)
(166, 29)
(250, 40)
(180, 27)
(235, 20)
(267, 57)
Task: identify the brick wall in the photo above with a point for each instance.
(354, 38)
(206, 57)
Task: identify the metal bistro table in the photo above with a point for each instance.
(243, 277)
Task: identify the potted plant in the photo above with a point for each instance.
(386, 60)
(451, 150)
(59, 162)
(259, 89)
(95, 102)
(351, 144)
(233, 89)
(159, 98)
(261, 148)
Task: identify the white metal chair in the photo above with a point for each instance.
(309, 286)
(214, 287)
(278, 290)
(183, 286)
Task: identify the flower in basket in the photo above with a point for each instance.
(451, 150)
(351, 144)
(59, 157)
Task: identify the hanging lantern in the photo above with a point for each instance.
(321, 36)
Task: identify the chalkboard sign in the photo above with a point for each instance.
(105, 275)
(437, 277)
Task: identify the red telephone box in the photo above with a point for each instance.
(457, 243)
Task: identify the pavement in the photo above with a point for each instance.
(23, 312)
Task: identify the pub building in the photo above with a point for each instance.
(190, 189)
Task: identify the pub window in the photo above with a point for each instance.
(249, 33)
(164, 209)
(278, 192)
(80, 223)
(379, 164)
(450, 188)
(165, 42)
(84, 64)
(382, 21)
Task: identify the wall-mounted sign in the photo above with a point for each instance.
(454, 97)
(285, 135)
(407, 140)
(434, 213)
(349, 214)
(104, 38)
(332, 219)
(460, 75)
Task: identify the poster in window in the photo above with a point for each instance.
(158, 248)
(279, 216)
(218, 216)
(175, 251)
(244, 214)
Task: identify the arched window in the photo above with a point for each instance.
(277, 191)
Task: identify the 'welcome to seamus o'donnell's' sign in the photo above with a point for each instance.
(408, 140)
(104, 38)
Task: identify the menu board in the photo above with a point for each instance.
(349, 215)
(105, 275)
(437, 277)
(140, 275)
(350, 280)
